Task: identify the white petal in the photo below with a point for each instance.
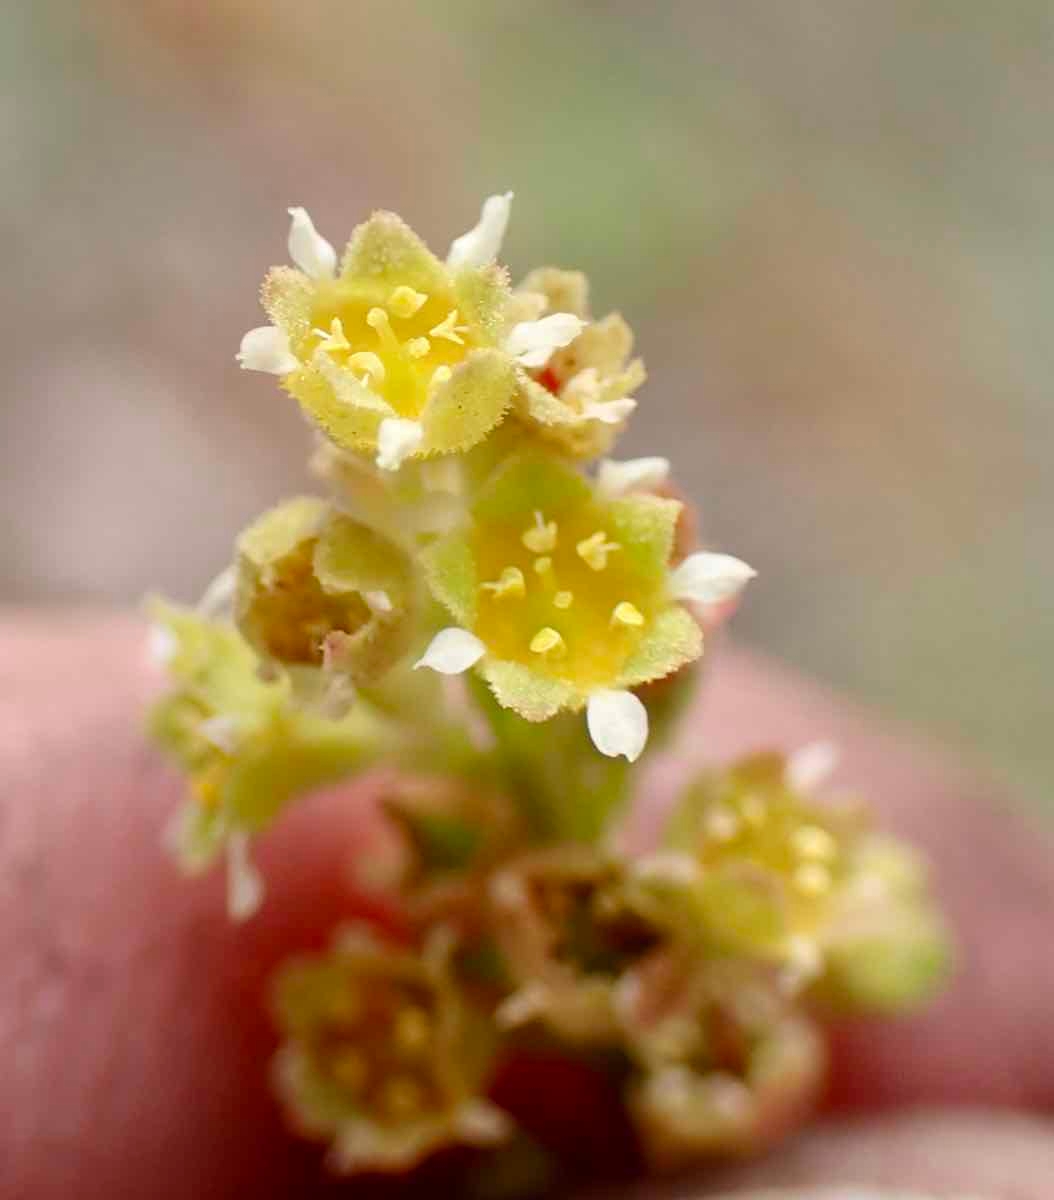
(397, 439)
(245, 886)
(710, 578)
(218, 598)
(308, 249)
(452, 651)
(811, 766)
(533, 342)
(221, 731)
(610, 412)
(618, 723)
(266, 348)
(482, 243)
(161, 646)
(633, 475)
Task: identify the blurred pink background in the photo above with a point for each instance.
(829, 222)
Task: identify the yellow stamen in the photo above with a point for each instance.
(594, 550)
(335, 340)
(563, 599)
(402, 1096)
(627, 614)
(812, 879)
(722, 824)
(541, 537)
(547, 641)
(404, 301)
(344, 1005)
(754, 811)
(418, 347)
(541, 565)
(349, 1068)
(412, 1029)
(378, 320)
(509, 583)
(440, 376)
(366, 360)
(812, 842)
(449, 329)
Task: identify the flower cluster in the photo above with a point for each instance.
(474, 578)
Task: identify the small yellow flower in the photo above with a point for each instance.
(566, 599)
(581, 398)
(317, 590)
(247, 748)
(784, 878)
(382, 1057)
(725, 1063)
(392, 352)
(569, 934)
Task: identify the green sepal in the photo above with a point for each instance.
(450, 572)
(672, 639)
(482, 294)
(532, 696)
(462, 411)
(384, 250)
(645, 526)
(528, 482)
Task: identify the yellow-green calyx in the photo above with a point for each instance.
(581, 398)
(393, 335)
(247, 747)
(774, 873)
(317, 589)
(566, 593)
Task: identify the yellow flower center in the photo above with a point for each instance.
(774, 832)
(562, 596)
(378, 1045)
(400, 343)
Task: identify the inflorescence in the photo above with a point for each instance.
(476, 575)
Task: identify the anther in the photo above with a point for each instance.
(543, 564)
(344, 1005)
(594, 550)
(627, 614)
(336, 339)
(440, 376)
(412, 1028)
(404, 301)
(812, 879)
(810, 841)
(402, 1096)
(541, 537)
(509, 583)
(754, 811)
(449, 329)
(349, 1068)
(721, 824)
(563, 599)
(547, 641)
(366, 360)
(418, 347)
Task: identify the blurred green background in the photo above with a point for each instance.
(829, 221)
